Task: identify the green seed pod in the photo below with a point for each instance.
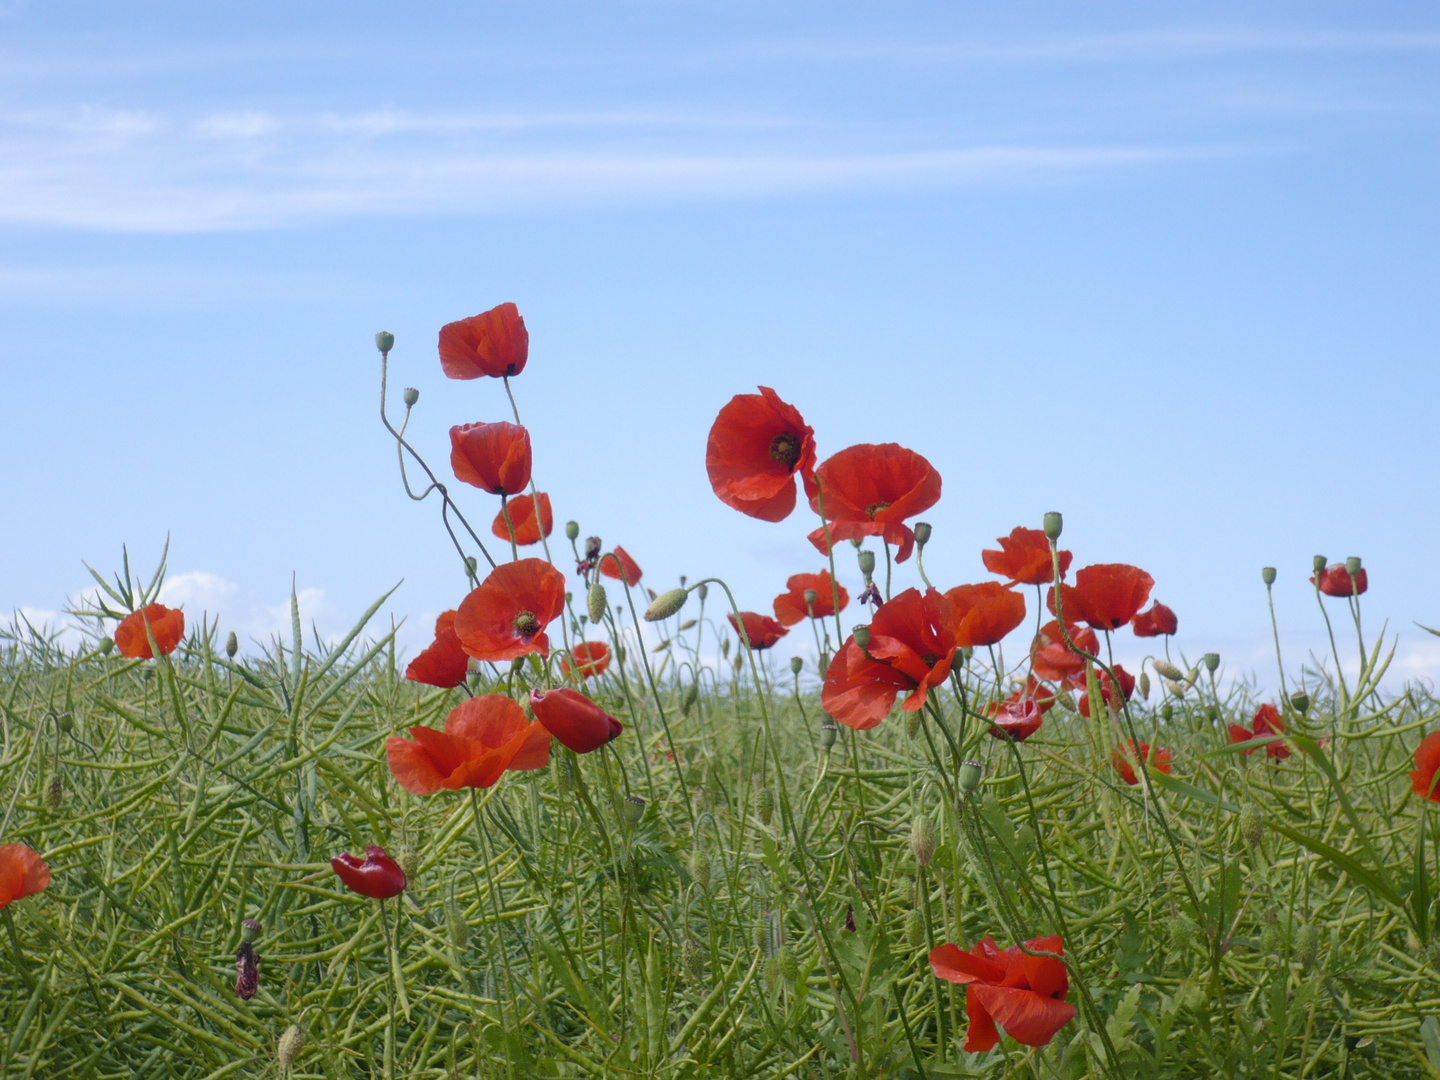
(789, 965)
(1167, 712)
(700, 870)
(1212, 713)
(922, 840)
(620, 655)
(1053, 525)
(1270, 939)
(796, 665)
(922, 533)
(1267, 575)
(912, 724)
(457, 927)
(1169, 670)
(862, 636)
(692, 956)
(1145, 685)
(866, 559)
(725, 647)
(1352, 565)
(914, 929)
(1318, 562)
(250, 931)
(970, 773)
(596, 602)
(666, 604)
(1301, 700)
(65, 722)
(772, 973)
(572, 530)
(828, 731)
(702, 590)
(1212, 662)
(232, 645)
(765, 805)
(633, 808)
(810, 596)
(1252, 824)
(688, 701)
(291, 1043)
(106, 645)
(384, 341)
(1307, 946)
(411, 397)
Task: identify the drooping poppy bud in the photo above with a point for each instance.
(1307, 946)
(291, 1043)
(765, 805)
(914, 929)
(700, 870)
(1252, 824)
(574, 719)
(232, 645)
(666, 604)
(922, 841)
(377, 876)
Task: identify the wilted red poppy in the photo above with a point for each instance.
(483, 737)
(522, 517)
(1127, 688)
(591, 659)
(1427, 763)
(911, 649)
(444, 661)
(1158, 620)
(494, 343)
(756, 446)
(761, 631)
(1124, 762)
(613, 562)
(790, 605)
(22, 873)
(984, 613)
(166, 624)
(574, 719)
(869, 490)
(1335, 580)
(1018, 718)
(377, 876)
(1024, 557)
(506, 615)
(494, 457)
(1054, 659)
(1267, 721)
(1106, 595)
(1025, 995)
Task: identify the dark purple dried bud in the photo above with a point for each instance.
(247, 968)
(592, 547)
(850, 917)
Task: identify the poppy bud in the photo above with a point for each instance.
(765, 805)
(862, 636)
(967, 652)
(693, 958)
(922, 841)
(725, 647)
(232, 645)
(411, 397)
(1301, 700)
(471, 565)
(866, 559)
(1267, 575)
(106, 645)
(970, 772)
(250, 931)
(666, 604)
(1352, 566)
(291, 1043)
(912, 725)
(914, 929)
(1270, 939)
(572, 530)
(1053, 525)
(458, 928)
(702, 590)
(688, 701)
(633, 809)
(700, 870)
(1307, 946)
(65, 722)
(409, 860)
(796, 664)
(789, 966)
(1166, 712)
(620, 655)
(1176, 688)
(1318, 562)
(1252, 824)
(1212, 713)
(772, 973)
(1212, 661)
(810, 596)
(596, 603)
(1145, 685)
(384, 341)
(828, 731)
(1169, 670)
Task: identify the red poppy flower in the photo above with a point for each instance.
(483, 737)
(1335, 581)
(1024, 995)
(790, 605)
(444, 661)
(1054, 659)
(911, 649)
(1024, 557)
(166, 624)
(1124, 763)
(1127, 689)
(1266, 722)
(591, 659)
(761, 631)
(612, 563)
(869, 490)
(574, 719)
(1017, 718)
(984, 613)
(494, 457)
(1158, 620)
(522, 517)
(506, 615)
(377, 876)
(756, 446)
(22, 873)
(494, 343)
(1106, 595)
(1427, 763)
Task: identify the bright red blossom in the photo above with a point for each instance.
(522, 517)
(1024, 557)
(1127, 688)
(493, 343)
(1267, 721)
(1024, 995)
(494, 457)
(377, 876)
(483, 738)
(1106, 595)
(166, 624)
(756, 446)
(1125, 758)
(790, 605)
(591, 659)
(613, 563)
(1427, 764)
(984, 613)
(1016, 717)
(1155, 622)
(444, 661)
(22, 873)
(869, 490)
(1054, 659)
(1335, 581)
(506, 615)
(761, 631)
(574, 719)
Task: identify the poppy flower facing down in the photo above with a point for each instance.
(761, 631)
(1017, 719)
(790, 605)
(1024, 995)
(494, 457)
(591, 658)
(1055, 661)
(1125, 758)
(1335, 581)
(444, 661)
(869, 490)
(377, 876)
(1024, 557)
(756, 446)
(493, 343)
(1127, 688)
(1155, 622)
(522, 516)
(166, 624)
(483, 737)
(612, 563)
(1266, 722)
(22, 873)
(1106, 595)
(506, 615)
(985, 613)
(574, 719)
(1427, 764)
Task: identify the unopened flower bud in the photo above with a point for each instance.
(922, 841)
(291, 1043)
(106, 645)
(384, 341)
(472, 564)
(922, 533)
(596, 602)
(914, 929)
(1252, 824)
(250, 931)
(1307, 946)
(572, 530)
(1169, 670)
(789, 966)
(796, 665)
(811, 596)
(1270, 939)
(666, 604)
(970, 773)
(862, 636)
(772, 973)
(1167, 712)
(1267, 575)
(1318, 562)
(700, 870)
(688, 701)
(828, 731)
(912, 724)
(1145, 685)
(692, 958)
(65, 722)
(967, 652)
(633, 809)
(1212, 662)
(1176, 688)
(866, 559)
(1053, 525)
(765, 805)
(232, 645)
(725, 647)
(1352, 565)
(408, 860)
(1301, 700)
(702, 590)
(456, 927)
(411, 397)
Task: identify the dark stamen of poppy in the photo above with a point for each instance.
(785, 448)
(527, 625)
(929, 659)
(875, 508)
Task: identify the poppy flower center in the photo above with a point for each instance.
(875, 508)
(929, 659)
(785, 448)
(526, 625)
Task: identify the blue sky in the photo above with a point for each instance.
(1169, 270)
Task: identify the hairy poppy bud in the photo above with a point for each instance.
(1212, 662)
(912, 725)
(1252, 824)
(1145, 685)
(65, 722)
(106, 645)
(810, 596)
(796, 665)
(1053, 525)
(232, 645)
(409, 860)
(1169, 670)
(634, 809)
(1267, 575)
(1301, 700)
(828, 731)
(688, 701)
(725, 647)
(1270, 939)
(772, 973)
(702, 590)
(250, 931)
(572, 530)
(914, 929)
(1352, 565)
(411, 397)
(1307, 946)
(866, 559)
(1176, 688)
(291, 1043)
(789, 966)
(596, 602)
(692, 957)
(1167, 712)
(384, 341)
(970, 773)
(765, 805)
(922, 841)
(700, 870)
(1318, 562)
(666, 604)
(862, 636)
